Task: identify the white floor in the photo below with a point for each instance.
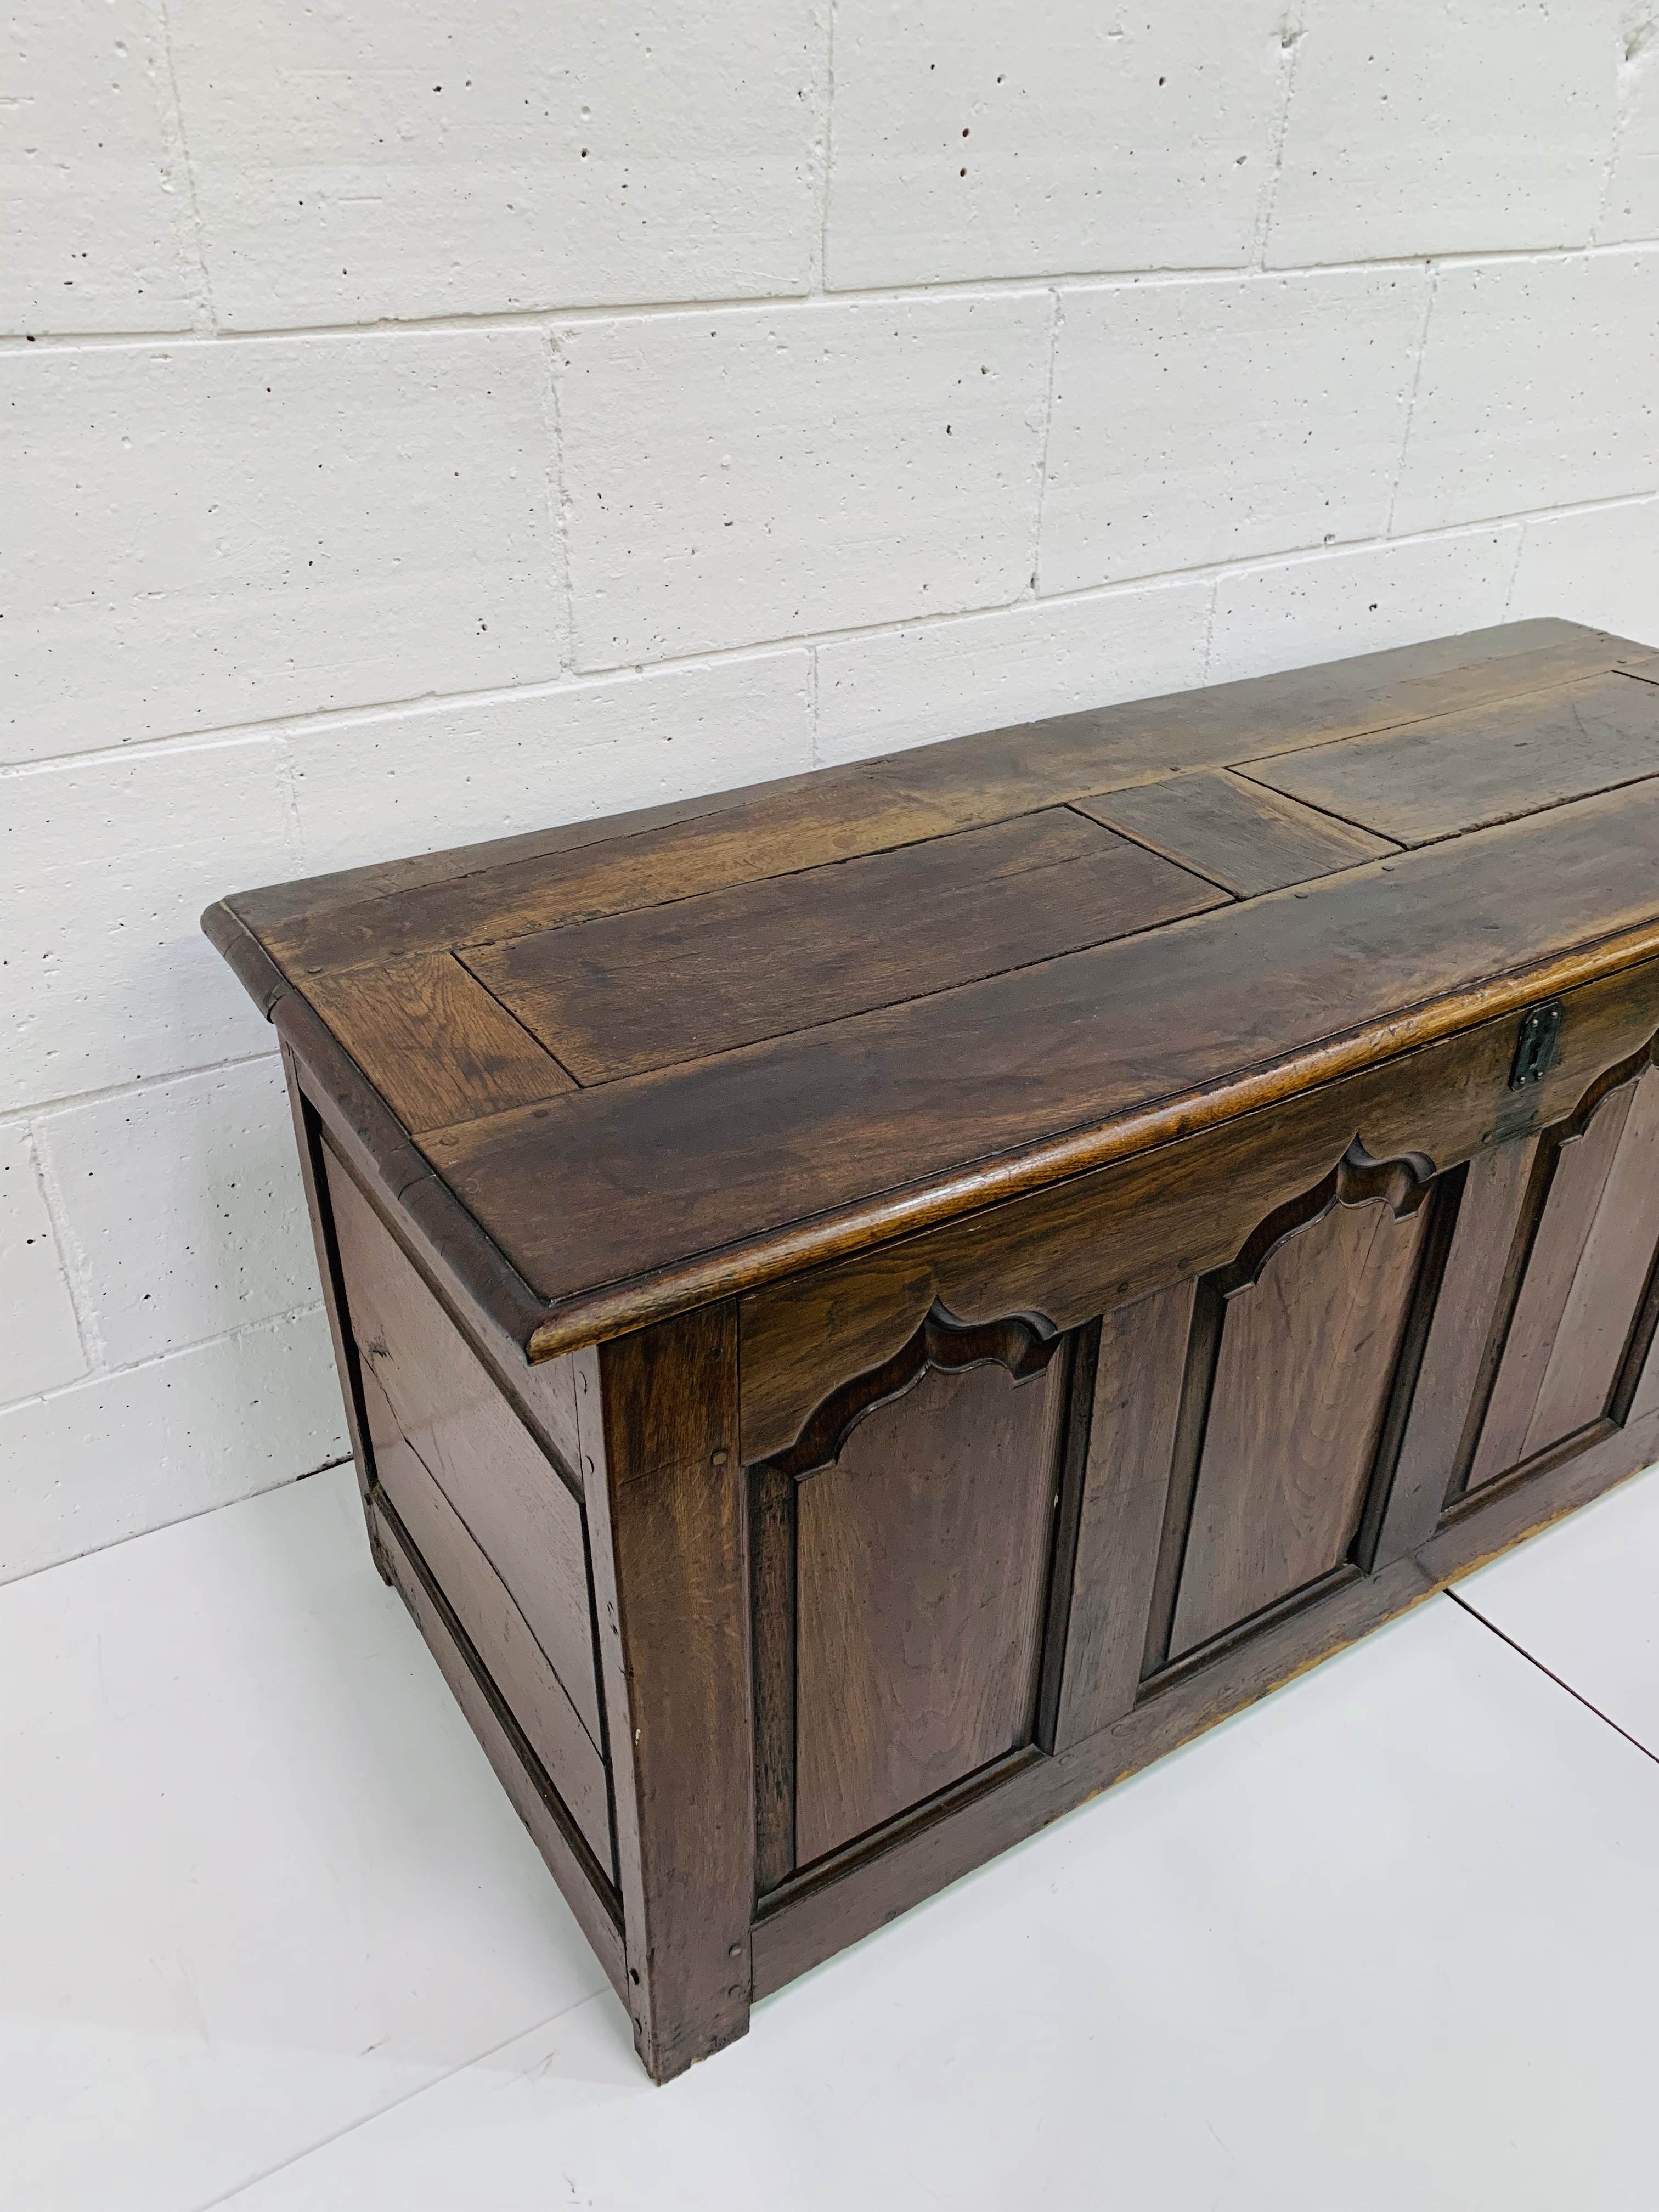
(272, 1936)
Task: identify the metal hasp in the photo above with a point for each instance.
(1534, 1048)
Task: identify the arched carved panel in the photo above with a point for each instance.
(1022, 1343)
(901, 1556)
(1291, 1369)
(1580, 1321)
(922, 1576)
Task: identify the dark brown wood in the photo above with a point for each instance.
(772, 1611)
(884, 1121)
(1478, 1287)
(872, 1306)
(919, 1600)
(537, 1803)
(511, 886)
(508, 1496)
(1244, 838)
(308, 1141)
(386, 1017)
(1094, 1241)
(1580, 1167)
(1609, 1281)
(702, 976)
(665, 1513)
(1486, 765)
(495, 1626)
(1132, 1443)
(1022, 1343)
(1302, 1376)
(898, 1871)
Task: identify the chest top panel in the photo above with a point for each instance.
(673, 1053)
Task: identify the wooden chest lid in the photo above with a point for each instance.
(669, 1055)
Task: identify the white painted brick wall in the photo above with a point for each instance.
(418, 424)
(735, 478)
(1197, 423)
(962, 146)
(1445, 126)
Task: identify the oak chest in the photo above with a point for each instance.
(871, 1307)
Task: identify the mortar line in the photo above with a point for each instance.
(1055, 317)
(79, 1273)
(1162, 275)
(106, 1372)
(559, 491)
(1290, 37)
(1633, 44)
(67, 1101)
(200, 1513)
(207, 309)
(820, 276)
(1209, 626)
(1514, 566)
(87, 1332)
(323, 720)
(1411, 405)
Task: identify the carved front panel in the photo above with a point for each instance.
(1569, 1351)
(1049, 1531)
(922, 1573)
(902, 1556)
(1301, 1379)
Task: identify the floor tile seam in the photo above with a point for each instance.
(234, 2195)
(1550, 1675)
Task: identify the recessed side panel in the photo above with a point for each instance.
(513, 1503)
(491, 1515)
(517, 1666)
(1301, 1381)
(922, 1560)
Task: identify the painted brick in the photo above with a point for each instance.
(1197, 423)
(890, 689)
(736, 478)
(999, 140)
(183, 1204)
(1599, 565)
(125, 1452)
(245, 531)
(40, 1344)
(1537, 389)
(105, 867)
(1419, 126)
(1329, 605)
(94, 206)
(364, 164)
(388, 785)
(1629, 209)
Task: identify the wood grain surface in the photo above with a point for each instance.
(929, 1099)
(511, 1502)
(1095, 1240)
(1306, 1355)
(871, 1306)
(658, 1416)
(1488, 764)
(1241, 836)
(497, 1629)
(923, 1571)
(701, 976)
(389, 1018)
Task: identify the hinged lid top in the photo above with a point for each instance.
(669, 1055)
